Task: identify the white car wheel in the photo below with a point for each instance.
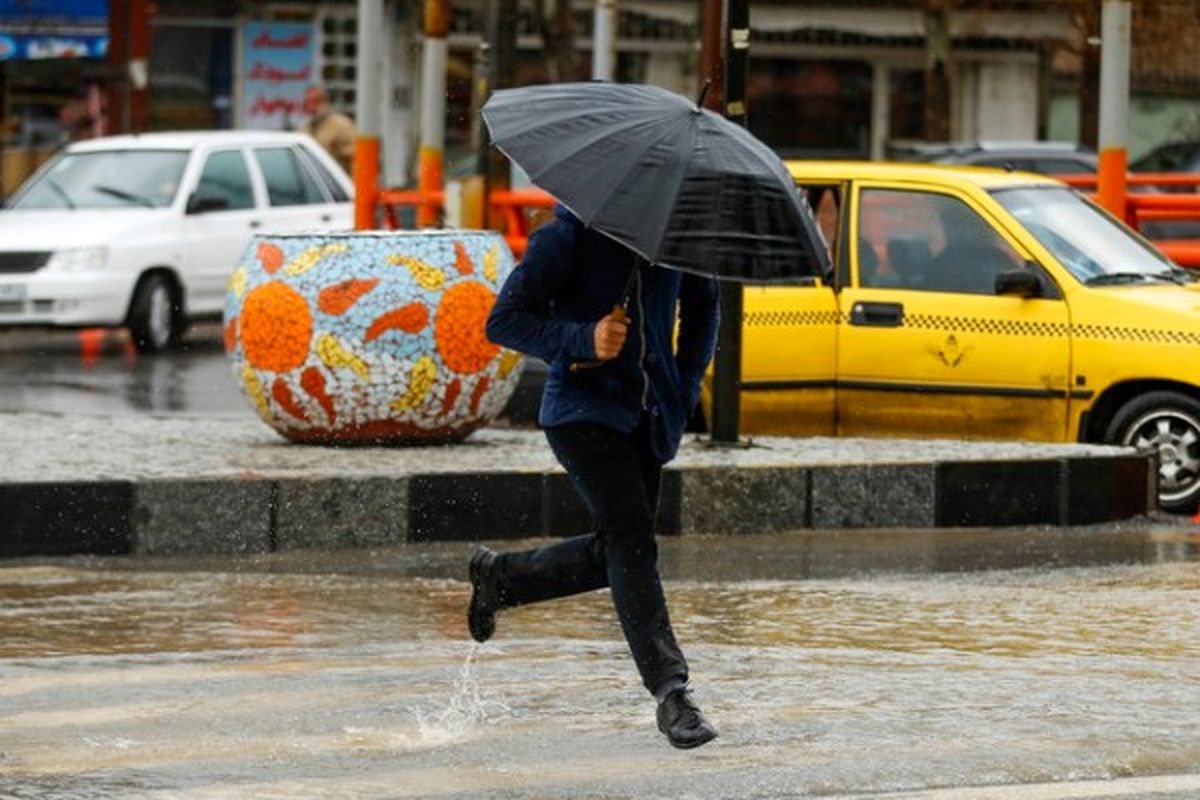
(154, 316)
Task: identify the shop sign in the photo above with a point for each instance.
(276, 70)
(38, 29)
(18, 47)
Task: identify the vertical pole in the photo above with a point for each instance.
(368, 73)
(710, 54)
(139, 64)
(366, 181)
(881, 93)
(118, 71)
(480, 90)
(604, 41)
(1114, 105)
(433, 106)
(727, 371)
(3, 115)
(502, 67)
(368, 112)
(937, 71)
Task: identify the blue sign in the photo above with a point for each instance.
(51, 46)
(36, 29)
(28, 13)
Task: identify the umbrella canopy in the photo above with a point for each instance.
(683, 187)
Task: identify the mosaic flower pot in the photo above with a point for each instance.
(370, 337)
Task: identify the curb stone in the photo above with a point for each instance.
(254, 514)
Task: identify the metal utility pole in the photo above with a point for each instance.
(368, 111)
(727, 369)
(501, 54)
(368, 72)
(604, 40)
(1115, 27)
(433, 105)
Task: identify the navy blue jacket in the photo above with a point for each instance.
(570, 277)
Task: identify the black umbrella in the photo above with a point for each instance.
(676, 183)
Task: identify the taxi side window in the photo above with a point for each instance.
(825, 202)
(928, 242)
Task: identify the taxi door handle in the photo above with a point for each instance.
(878, 315)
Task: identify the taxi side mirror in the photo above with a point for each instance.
(1018, 282)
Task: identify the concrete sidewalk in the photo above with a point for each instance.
(162, 485)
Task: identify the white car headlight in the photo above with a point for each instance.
(78, 259)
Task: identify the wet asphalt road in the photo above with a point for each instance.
(981, 665)
(99, 372)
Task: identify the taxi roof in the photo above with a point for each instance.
(939, 174)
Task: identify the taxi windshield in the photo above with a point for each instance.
(1095, 248)
(105, 179)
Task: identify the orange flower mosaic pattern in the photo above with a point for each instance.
(368, 337)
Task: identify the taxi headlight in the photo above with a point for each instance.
(78, 259)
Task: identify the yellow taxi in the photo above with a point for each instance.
(979, 304)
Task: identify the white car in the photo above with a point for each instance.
(144, 230)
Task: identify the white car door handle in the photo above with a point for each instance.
(254, 223)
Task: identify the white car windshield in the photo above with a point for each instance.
(106, 179)
(1094, 247)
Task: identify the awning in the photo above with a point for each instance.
(33, 29)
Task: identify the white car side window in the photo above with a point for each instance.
(288, 183)
(225, 176)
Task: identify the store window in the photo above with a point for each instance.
(191, 76)
(811, 109)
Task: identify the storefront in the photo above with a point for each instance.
(51, 70)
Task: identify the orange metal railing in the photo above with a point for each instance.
(1157, 205)
(513, 208)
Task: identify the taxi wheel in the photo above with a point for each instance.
(155, 319)
(1166, 423)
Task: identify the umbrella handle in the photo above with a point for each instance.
(619, 314)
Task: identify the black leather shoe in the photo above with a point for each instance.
(485, 597)
(683, 724)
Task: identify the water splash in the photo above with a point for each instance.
(466, 711)
(464, 715)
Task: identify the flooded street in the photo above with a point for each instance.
(833, 665)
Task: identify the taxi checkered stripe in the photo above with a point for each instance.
(1135, 334)
(999, 327)
(774, 319)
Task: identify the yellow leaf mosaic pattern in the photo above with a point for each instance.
(420, 382)
(426, 275)
(237, 282)
(334, 355)
(310, 258)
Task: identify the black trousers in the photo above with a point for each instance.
(618, 478)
